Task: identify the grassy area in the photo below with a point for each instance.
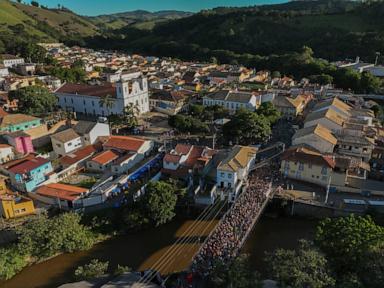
(33, 19)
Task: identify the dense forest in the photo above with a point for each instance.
(333, 29)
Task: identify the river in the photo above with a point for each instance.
(142, 249)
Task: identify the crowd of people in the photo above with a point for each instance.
(225, 241)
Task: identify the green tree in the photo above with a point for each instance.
(322, 79)
(247, 128)
(369, 83)
(159, 202)
(43, 237)
(11, 262)
(345, 240)
(238, 274)
(35, 100)
(371, 269)
(304, 268)
(107, 101)
(269, 111)
(121, 269)
(35, 3)
(94, 269)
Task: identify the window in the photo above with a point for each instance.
(72, 100)
(70, 144)
(84, 102)
(309, 165)
(222, 174)
(324, 170)
(58, 145)
(93, 103)
(301, 166)
(229, 175)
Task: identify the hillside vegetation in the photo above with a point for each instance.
(45, 24)
(333, 29)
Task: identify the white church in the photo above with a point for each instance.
(84, 98)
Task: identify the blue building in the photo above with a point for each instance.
(27, 173)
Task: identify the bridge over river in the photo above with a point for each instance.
(198, 250)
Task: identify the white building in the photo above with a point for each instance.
(233, 100)
(11, 60)
(233, 170)
(3, 71)
(65, 142)
(85, 99)
(90, 131)
(6, 153)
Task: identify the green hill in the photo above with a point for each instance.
(334, 29)
(140, 19)
(45, 24)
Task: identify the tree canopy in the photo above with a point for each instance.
(269, 111)
(35, 100)
(247, 127)
(159, 202)
(304, 268)
(345, 240)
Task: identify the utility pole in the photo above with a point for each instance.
(328, 186)
(377, 58)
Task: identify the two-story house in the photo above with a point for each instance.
(65, 142)
(233, 170)
(186, 159)
(317, 136)
(27, 173)
(328, 118)
(233, 100)
(90, 131)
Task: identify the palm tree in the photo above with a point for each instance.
(129, 116)
(107, 101)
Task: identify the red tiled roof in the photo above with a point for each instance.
(194, 156)
(183, 149)
(28, 165)
(172, 158)
(88, 90)
(105, 157)
(61, 191)
(298, 154)
(79, 155)
(125, 143)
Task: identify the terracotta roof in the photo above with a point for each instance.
(318, 130)
(125, 143)
(172, 158)
(105, 157)
(79, 155)
(238, 158)
(13, 119)
(171, 96)
(5, 146)
(2, 112)
(306, 155)
(183, 149)
(61, 191)
(194, 156)
(66, 135)
(27, 165)
(88, 90)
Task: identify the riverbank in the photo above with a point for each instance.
(140, 250)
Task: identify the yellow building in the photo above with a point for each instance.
(304, 164)
(12, 206)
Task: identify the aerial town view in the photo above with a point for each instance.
(192, 144)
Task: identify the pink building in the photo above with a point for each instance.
(21, 141)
